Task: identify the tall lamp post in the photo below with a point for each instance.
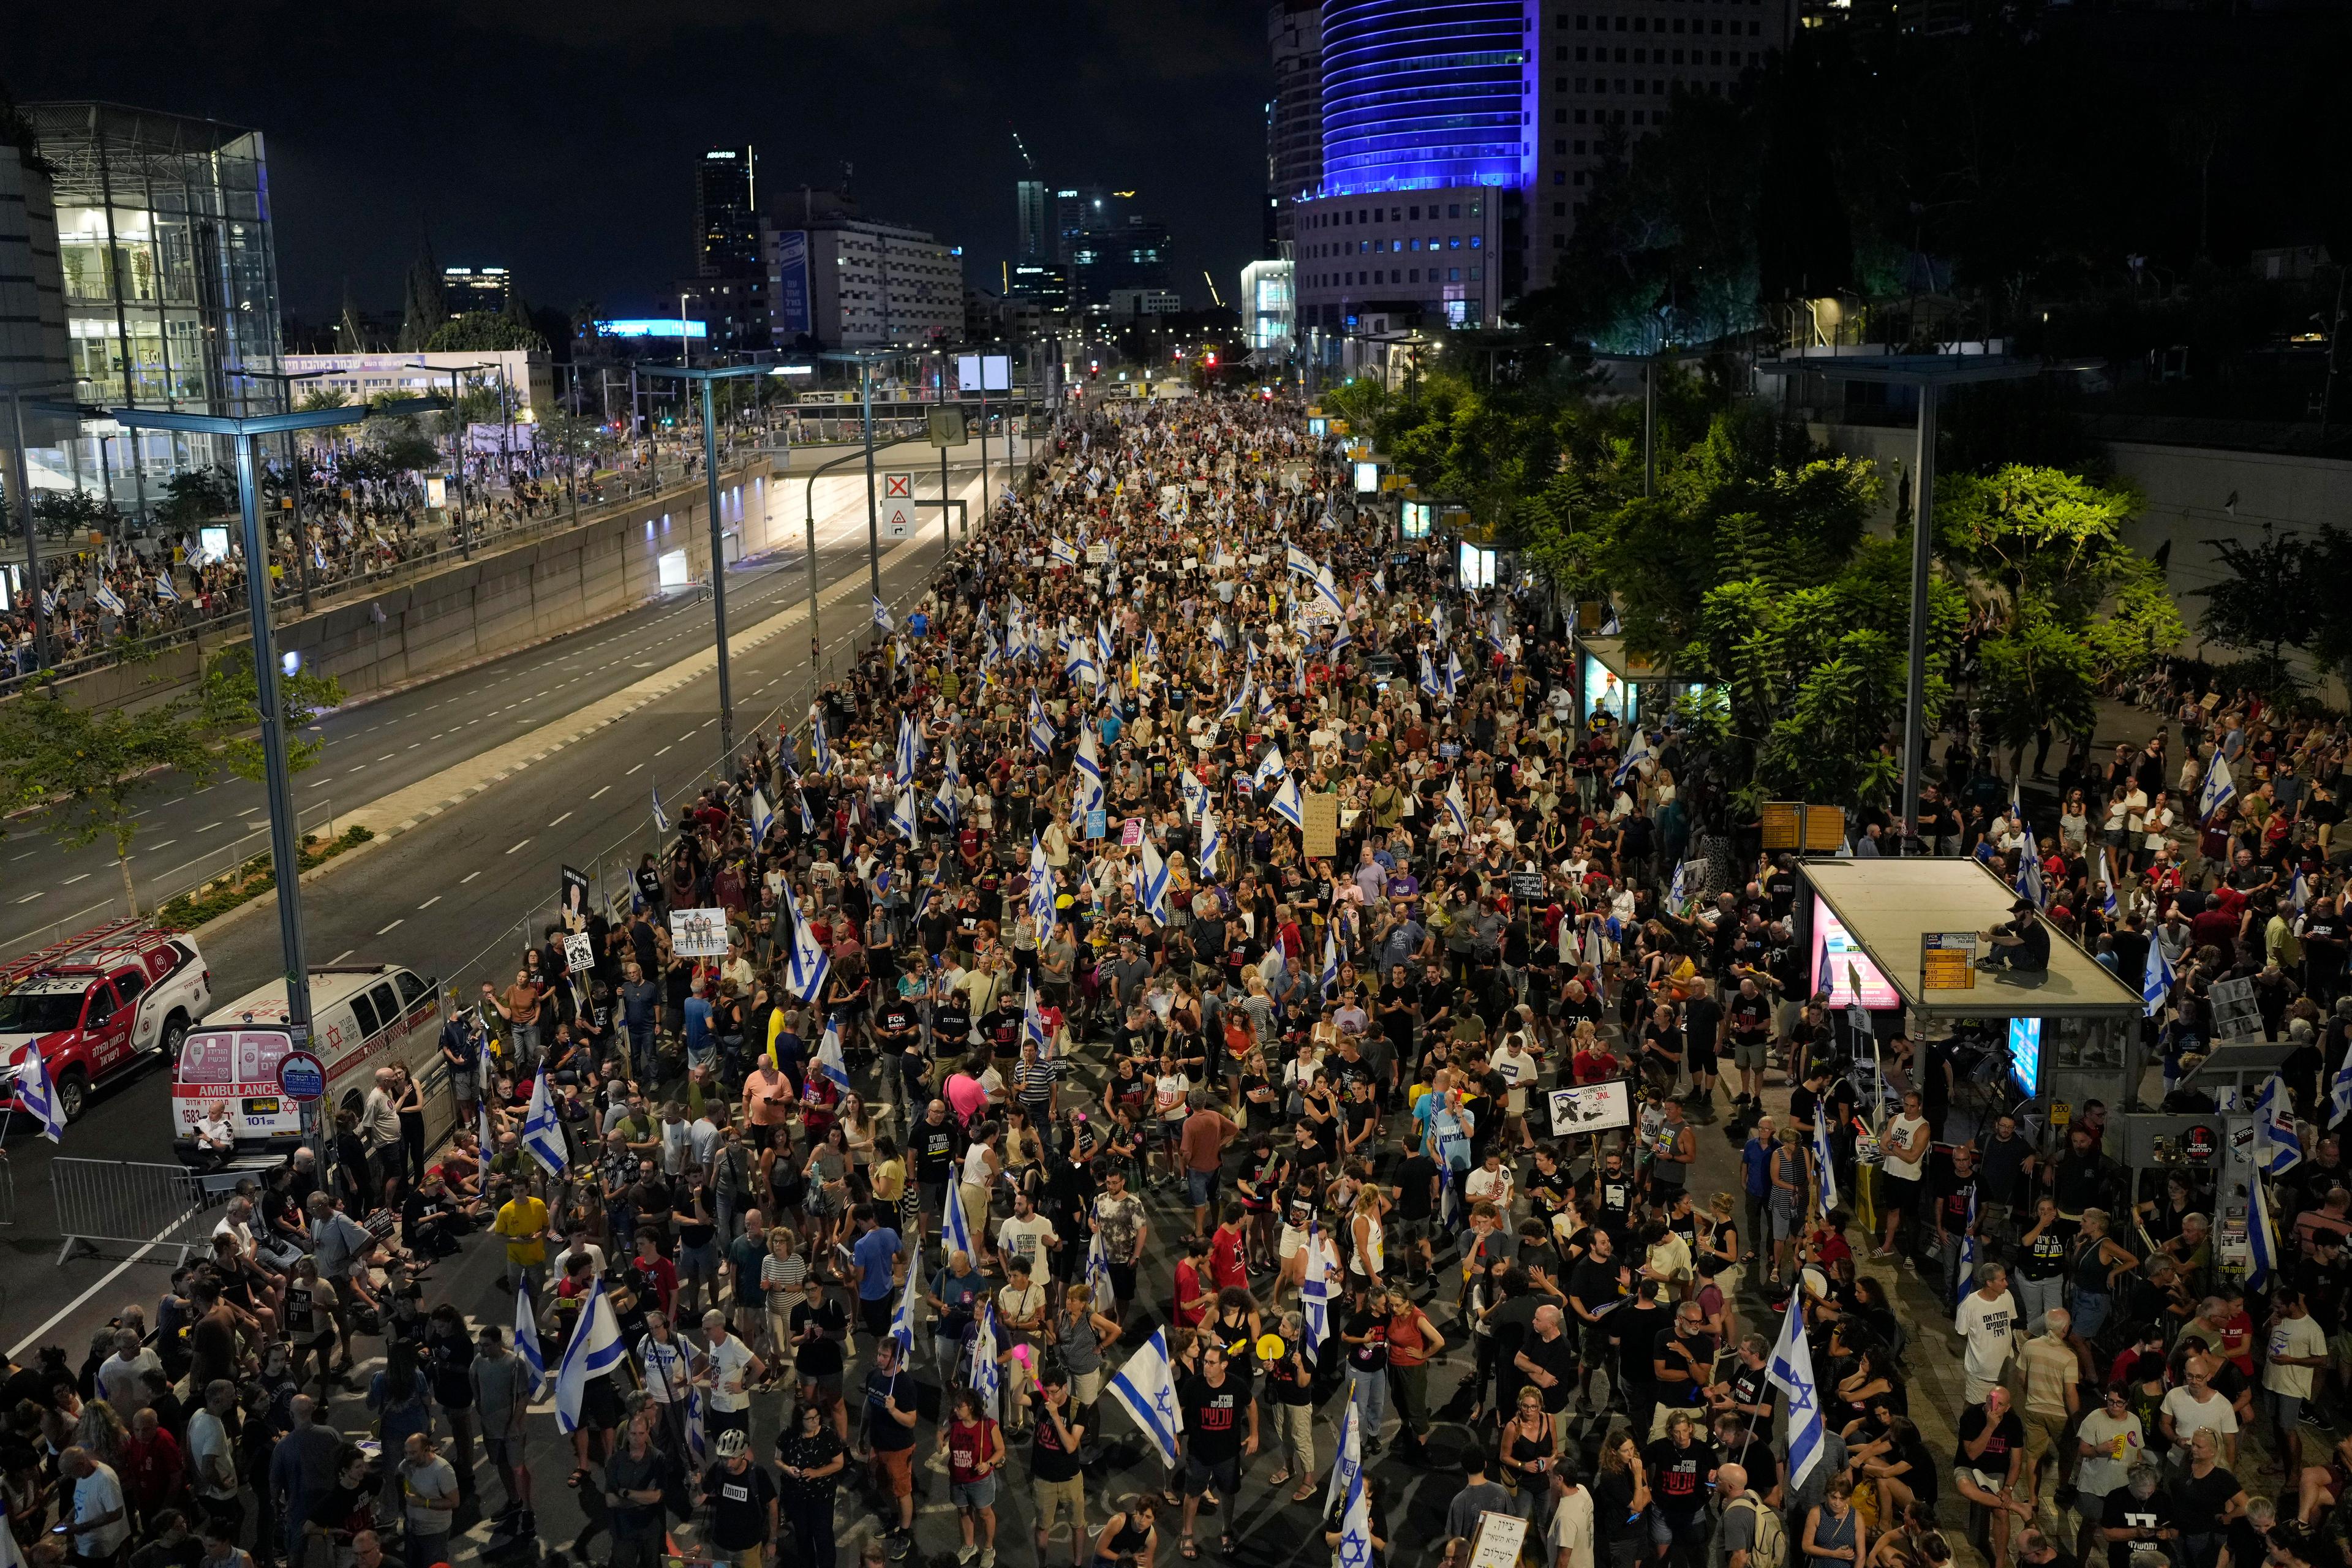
(1930, 374)
(458, 435)
(286, 380)
(865, 360)
(284, 854)
(706, 377)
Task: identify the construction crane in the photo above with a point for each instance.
(1030, 164)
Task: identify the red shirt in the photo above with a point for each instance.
(968, 1445)
(1188, 1287)
(1227, 1259)
(1595, 1065)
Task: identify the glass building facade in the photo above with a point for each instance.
(171, 283)
(1424, 95)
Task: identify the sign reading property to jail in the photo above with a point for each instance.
(699, 933)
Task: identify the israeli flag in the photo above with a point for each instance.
(1238, 706)
(1331, 979)
(956, 1226)
(1103, 645)
(1966, 1281)
(1822, 1156)
(164, 590)
(37, 1092)
(2107, 902)
(902, 1317)
(808, 825)
(883, 618)
(1791, 1370)
(1154, 876)
(661, 820)
(2156, 985)
(1061, 552)
(905, 772)
(596, 1350)
(106, 598)
(1216, 636)
(2299, 892)
(818, 747)
(1211, 841)
(1315, 1300)
(809, 962)
(2262, 1236)
(1457, 810)
(1429, 686)
(1098, 1276)
(484, 1066)
(526, 1338)
(1195, 793)
(1609, 626)
(1340, 639)
(829, 1061)
(984, 1370)
(1675, 895)
(1265, 701)
(697, 1428)
(542, 1130)
(2219, 789)
(1301, 563)
(1287, 806)
(1079, 665)
(2340, 1090)
(1495, 632)
(1041, 878)
(1089, 795)
(2278, 1147)
(1032, 1025)
(903, 820)
(2029, 873)
(944, 802)
(1356, 1526)
(1348, 1462)
(762, 817)
(1635, 755)
(1453, 674)
(1146, 1386)
(1270, 767)
(1152, 647)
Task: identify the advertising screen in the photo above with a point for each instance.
(793, 307)
(2025, 1053)
(1368, 478)
(1413, 520)
(1478, 566)
(1833, 950)
(1603, 689)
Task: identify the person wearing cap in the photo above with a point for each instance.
(2021, 943)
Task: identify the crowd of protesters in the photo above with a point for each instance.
(1040, 976)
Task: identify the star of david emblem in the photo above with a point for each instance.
(1354, 1550)
(1164, 1401)
(1800, 1398)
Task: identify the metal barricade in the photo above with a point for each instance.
(114, 1200)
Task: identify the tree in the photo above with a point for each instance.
(192, 494)
(323, 397)
(2270, 600)
(424, 309)
(228, 705)
(484, 332)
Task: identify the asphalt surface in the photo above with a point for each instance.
(451, 898)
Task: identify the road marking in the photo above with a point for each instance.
(517, 846)
(28, 854)
(689, 734)
(70, 881)
(168, 843)
(632, 770)
(419, 743)
(600, 792)
(208, 826)
(28, 898)
(206, 790)
(342, 955)
(665, 748)
(468, 878)
(360, 769)
(430, 902)
(388, 929)
(387, 756)
(561, 820)
(169, 803)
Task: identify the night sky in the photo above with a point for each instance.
(559, 140)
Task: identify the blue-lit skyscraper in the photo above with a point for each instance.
(1423, 95)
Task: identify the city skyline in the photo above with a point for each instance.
(489, 132)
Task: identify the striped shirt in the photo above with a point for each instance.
(782, 1278)
(1034, 1082)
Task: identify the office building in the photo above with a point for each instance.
(469, 288)
(1129, 304)
(171, 285)
(1293, 129)
(1458, 136)
(32, 353)
(1110, 247)
(1043, 284)
(837, 280)
(1033, 220)
(526, 374)
(733, 309)
(727, 213)
(1269, 305)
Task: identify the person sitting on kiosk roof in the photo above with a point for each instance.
(2022, 942)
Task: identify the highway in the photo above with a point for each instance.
(452, 897)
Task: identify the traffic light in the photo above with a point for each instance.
(1210, 359)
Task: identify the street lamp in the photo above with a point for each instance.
(284, 854)
(286, 380)
(706, 377)
(1930, 374)
(1648, 364)
(865, 360)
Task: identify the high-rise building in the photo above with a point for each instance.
(171, 284)
(1293, 129)
(1129, 256)
(840, 280)
(31, 284)
(1269, 307)
(1033, 219)
(474, 288)
(1078, 210)
(727, 213)
(1458, 136)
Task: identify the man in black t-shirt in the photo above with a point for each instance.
(1220, 1435)
(2138, 1515)
(1634, 1329)
(1680, 1469)
(2020, 943)
(741, 1500)
(1609, 1197)
(1988, 1453)
(1054, 1472)
(890, 1434)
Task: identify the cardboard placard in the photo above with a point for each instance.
(1319, 823)
(1590, 1107)
(1499, 1539)
(1130, 832)
(699, 933)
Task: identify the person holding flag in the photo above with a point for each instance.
(889, 1412)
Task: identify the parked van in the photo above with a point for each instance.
(363, 1016)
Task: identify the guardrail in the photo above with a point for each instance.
(118, 1201)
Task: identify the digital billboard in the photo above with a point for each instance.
(2025, 1053)
(1835, 952)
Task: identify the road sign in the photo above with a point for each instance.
(897, 513)
(947, 426)
(898, 487)
(301, 1076)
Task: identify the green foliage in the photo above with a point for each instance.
(319, 397)
(2145, 626)
(60, 513)
(2038, 672)
(256, 879)
(2271, 599)
(228, 704)
(2034, 532)
(195, 495)
(86, 769)
(483, 332)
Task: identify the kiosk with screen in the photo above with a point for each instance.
(1368, 478)
(1478, 566)
(1413, 520)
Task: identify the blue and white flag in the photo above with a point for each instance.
(904, 819)
(1269, 767)
(1195, 793)
(37, 1095)
(1041, 884)
(1088, 795)
(1152, 880)
(2299, 892)
(829, 1059)
(1430, 685)
(1099, 1278)
(764, 816)
(1265, 701)
(1792, 1371)
(1211, 840)
(1315, 1296)
(2029, 872)
(1146, 1386)
(661, 820)
(903, 774)
(1152, 647)
(697, 1428)
(1061, 552)
(1635, 755)
(1822, 1156)
(1032, 1025)
(1356, 1526)
(1347, 1460)
(526, 1338)
(1103, 645)
(106, 598)
(2339, 1091)
(596, 1350)
(1453, 674)
(2219, 789)
(1330, 976)
(2107, 902)
(1675, 895)
(883, 617)
(944, 802)
(955, 1228)
(818, 746)
(1966, 1281)
(985, 1373)
(542, 1130)
(2262, 1235)
(1457, 810)
(1238, 706)
(809, 961)
(902, 1317)
(808, 824)
(1287, 806)
(1216, 636)
(2278, 1147)
(164, 589)
(2156, 984)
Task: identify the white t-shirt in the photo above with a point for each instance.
(1027, 1239)
(1990, 1327)
(98, 1494)
(730, 1364)
(1571, 1530)
(2119, 1444)
(210, 1455)
(975, 1165)
(2296, 1337)
(1898, 1133)
(2189, 1415)
(667, 1369)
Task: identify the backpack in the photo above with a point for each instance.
(1770, 1547)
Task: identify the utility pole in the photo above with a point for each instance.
(873, 508)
